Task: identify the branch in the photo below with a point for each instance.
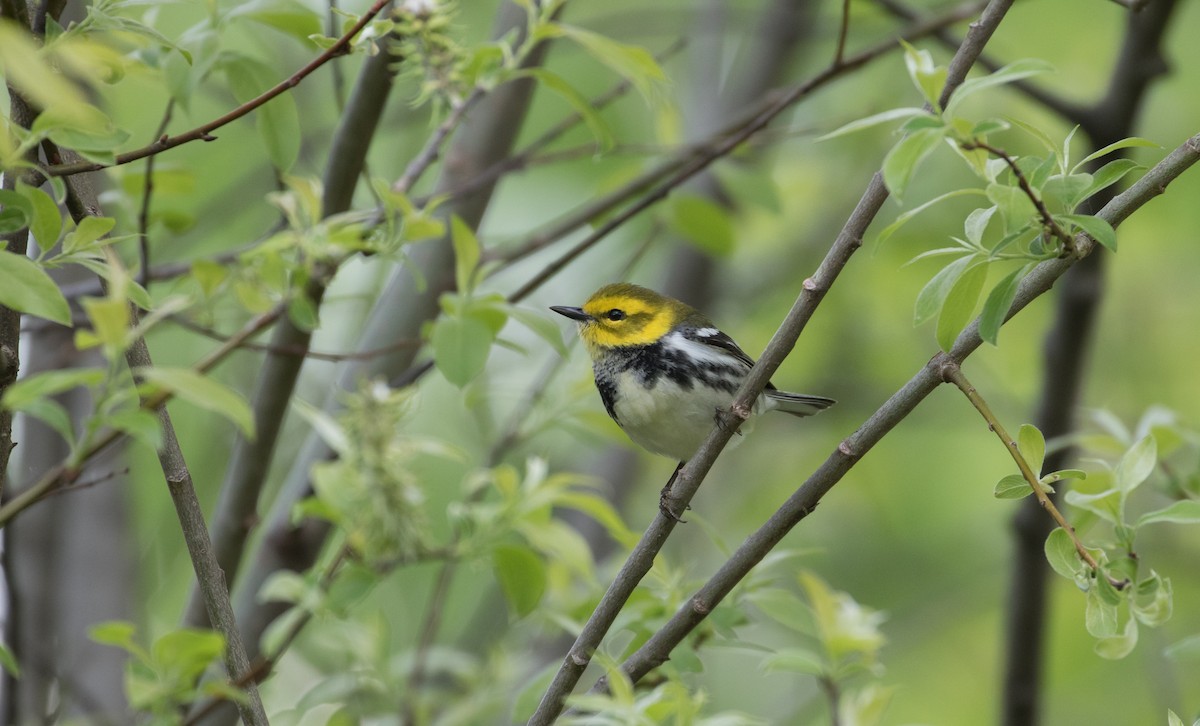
(62, 474)
(81, 203)
(723, 144)
(1047, 219)
(952, 373)
(237, 508)
(204, 132)
(656, 650)
(688, 478)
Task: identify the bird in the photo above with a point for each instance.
(666, 373)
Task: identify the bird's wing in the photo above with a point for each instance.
(715, 338)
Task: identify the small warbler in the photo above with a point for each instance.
(665, 372)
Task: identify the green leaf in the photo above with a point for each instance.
(1136, 465)
(959, 306)
(26, 68)
(466, 254)
(579, 104)
(894, 114)
(54, 415)
(204, 393)
(117, 633)
(1012, 72)
(1056, 476)
(46, 223)
(977, 222)
(546, 329)
(1101, 618)
(88, 231)
(1105, 504)
(702, 222)
(929, 78)
(110, 321)
(795, 660)
(277, 121)
(49, 383)
(1015, 207)
(182, 655)
(142, 426)
(522, 577)
(15, 212)
(25, 287)
(288, 16)
(1012, 486)
(1032, 446)
(1096, 228)
(1132, 141)
(931, 297)
(1119, 646)
(1185, 512)
(999, 300)
(1110, 174)
(9, 661)
(1154, 602)
(902, 161)
(631, 62)
(461, 347)
(889, 230)
(1061, 554)
(784, 607)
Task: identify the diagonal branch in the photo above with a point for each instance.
(802, 502)
(692, 474)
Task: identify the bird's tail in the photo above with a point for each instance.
(798, 404)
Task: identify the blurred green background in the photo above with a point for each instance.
(913, 530)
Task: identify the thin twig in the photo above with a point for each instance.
(64, 474)
(843, 31)
(147, 193)
(952, 373)
(298, 351)
(204, 131)
(723, 144)
(1048, 221)
(433, 145)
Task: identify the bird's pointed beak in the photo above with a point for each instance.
(572, 313)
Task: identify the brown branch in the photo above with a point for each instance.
(952, 373)
(147, 192)
(1048, 221)
(295, 351)
(64, 474)
(204, 132)
(802, 502)
(725, 142)
(688, 479)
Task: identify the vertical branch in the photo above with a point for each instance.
(236, 512)
(81, 202)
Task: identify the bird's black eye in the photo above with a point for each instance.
(616, 314)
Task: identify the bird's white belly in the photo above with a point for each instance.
(668, 419)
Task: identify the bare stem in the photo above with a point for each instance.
(1047, 218)
(204, 132)
(952, 373)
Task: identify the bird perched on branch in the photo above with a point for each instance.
(666, 373)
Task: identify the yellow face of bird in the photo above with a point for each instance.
(624, 315)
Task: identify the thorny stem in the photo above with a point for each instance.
(1047, 219)
(204, 132)
(952, 373)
